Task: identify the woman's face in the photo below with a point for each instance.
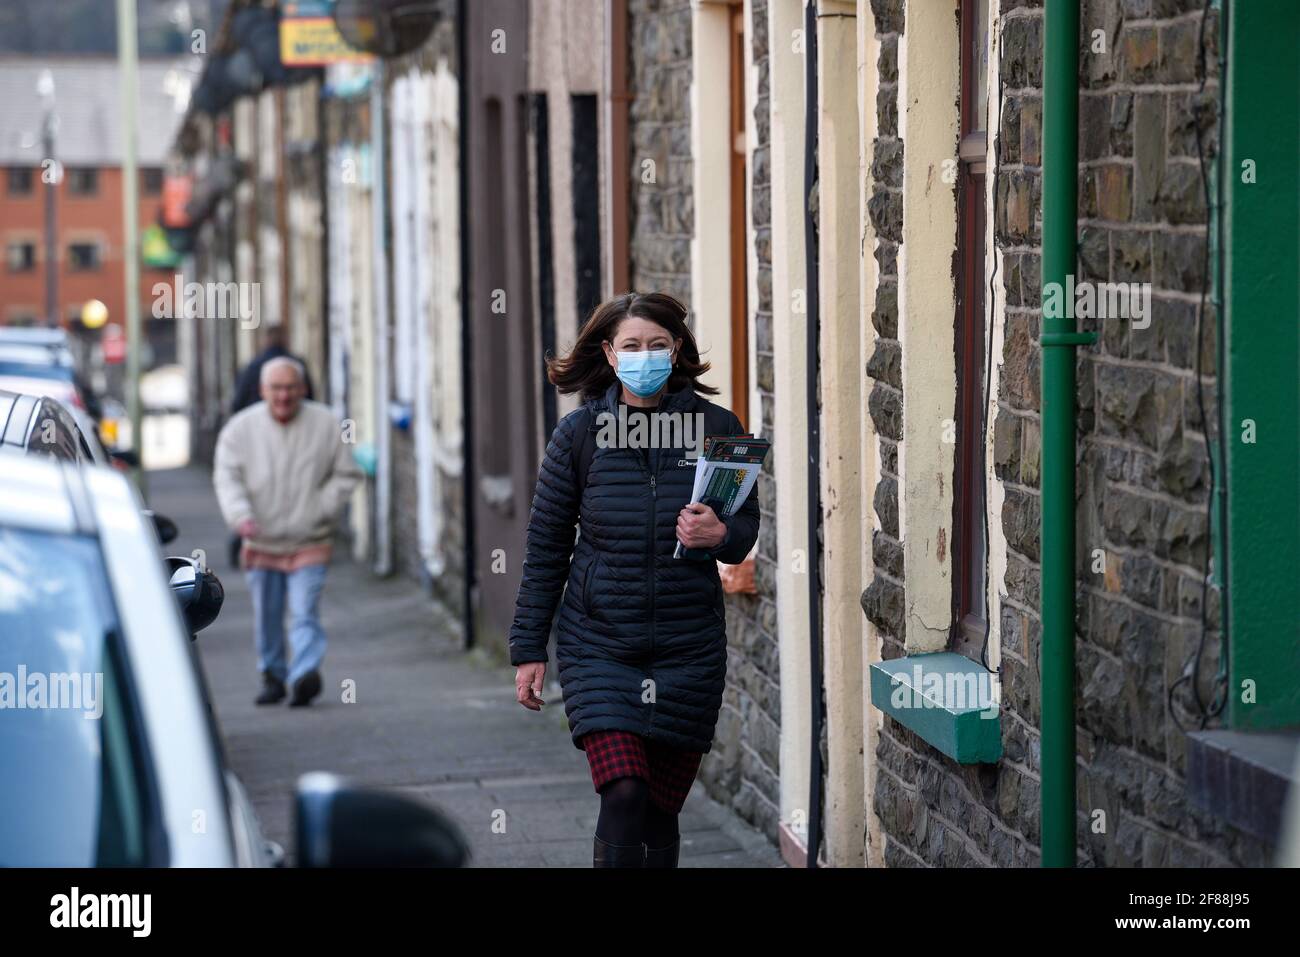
(635, 334)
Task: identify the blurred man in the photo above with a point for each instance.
(282, 474)
(248, 384)
(248, 390)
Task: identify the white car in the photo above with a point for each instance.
(165, 389)
(109, 752)
(40, 369)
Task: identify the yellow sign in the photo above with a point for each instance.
(315, 41)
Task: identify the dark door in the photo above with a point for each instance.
(504, 357)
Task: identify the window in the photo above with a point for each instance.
(496, 452)
(83, 257)
(20, 256)
(718, 248)
(19, 180)
(70, 785)
(83, 182)
(969, 572)
(586, 201)
(151, 181)
(540, 130)
(21, 316)
(739, 232)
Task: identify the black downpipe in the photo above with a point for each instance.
(466, 339)
(814, 431)
(323, 171)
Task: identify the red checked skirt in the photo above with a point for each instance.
(618, 754)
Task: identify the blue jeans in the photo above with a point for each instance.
(306, 636)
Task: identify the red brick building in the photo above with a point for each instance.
(88, 197)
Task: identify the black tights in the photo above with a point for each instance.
(628, 816)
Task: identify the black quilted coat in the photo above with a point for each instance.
(641, 640)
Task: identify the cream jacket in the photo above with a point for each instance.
(292, 479)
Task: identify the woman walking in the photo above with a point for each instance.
(641, 642)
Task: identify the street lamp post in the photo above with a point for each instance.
(126, 54)
(50, 176)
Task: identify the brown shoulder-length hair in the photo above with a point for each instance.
(586, 370)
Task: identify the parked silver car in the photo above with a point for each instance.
(38, 424)
(109, 753)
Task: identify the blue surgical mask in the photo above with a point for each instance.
(644, 373)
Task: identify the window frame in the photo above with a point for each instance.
(90, 243)
(11, 176)
(36, 255)
(970, 531)
(89, 188)
(739, 213)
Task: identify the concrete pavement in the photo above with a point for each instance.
(428, 718)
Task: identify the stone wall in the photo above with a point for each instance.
(661, 211)
(883, 599)
(406, 505)
(744, 767)
(449, 587)
(1142, 475)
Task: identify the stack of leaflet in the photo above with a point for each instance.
(724, 476)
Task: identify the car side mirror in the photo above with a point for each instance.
(197, 591)
(164, 526)
(341, 825)
(126, 457)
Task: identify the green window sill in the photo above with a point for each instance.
(946, 699)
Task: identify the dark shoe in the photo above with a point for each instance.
(662, 856)
(304, 689)
(605, 854)
(272, 690)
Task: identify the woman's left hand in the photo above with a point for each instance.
(698, 526)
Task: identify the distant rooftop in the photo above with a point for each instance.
(72, 27)
(87, 101)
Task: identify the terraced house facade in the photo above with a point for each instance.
(1009, 284)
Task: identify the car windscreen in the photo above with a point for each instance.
(70, 787)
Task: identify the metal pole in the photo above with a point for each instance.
(126, 58)
(1060, 164)
(50, 175)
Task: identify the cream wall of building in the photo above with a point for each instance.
(869, 462)
(842, 384)
(790, 448)
(929, 85)
(710, 304)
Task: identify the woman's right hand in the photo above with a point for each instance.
(528, 684)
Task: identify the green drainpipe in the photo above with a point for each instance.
(1060, 169)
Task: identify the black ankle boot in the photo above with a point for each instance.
(663, 856)
(605, 854)
(272, 690)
